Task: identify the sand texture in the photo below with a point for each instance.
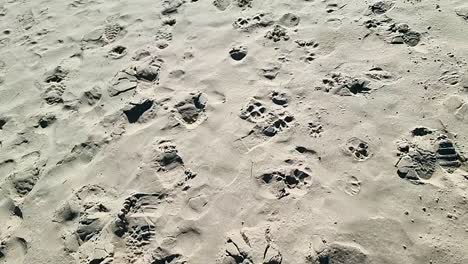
(233, 131)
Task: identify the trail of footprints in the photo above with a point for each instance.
(393, 32)
(91, 213)
(257, 245)
(343, 84)
(92, 216)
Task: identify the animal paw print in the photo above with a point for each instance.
(309, 46)
(306, 43)
(282, 181)
(376, 23)
(392, 32)
(315, 129)
(241, 23)
(278, 33)
(256, 21)
(309, 57)
(358, 148)
(291, 180)
(254, 111)
(277, 123)
(345, 85)
(244, 3)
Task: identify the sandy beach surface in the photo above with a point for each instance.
(233, 131)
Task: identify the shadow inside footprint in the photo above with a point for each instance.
(118, 52)
(238, 53)
(134, 113)
(2, 123)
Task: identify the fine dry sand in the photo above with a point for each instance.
(233, 131)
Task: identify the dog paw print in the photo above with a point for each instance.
(281, 182)
(315, 129)
(254, 111)
(306, 43)
(309, 57)
(358, 148)
(277, 123)
(278, 33)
